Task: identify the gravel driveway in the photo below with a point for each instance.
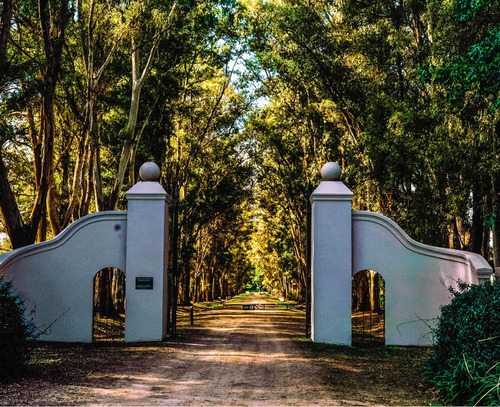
(229, 357)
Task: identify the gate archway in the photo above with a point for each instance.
(368, 309)
(108, 316)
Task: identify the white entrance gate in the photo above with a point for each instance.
(56, 278)
(416, 276)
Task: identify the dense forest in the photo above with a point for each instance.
(240, 103)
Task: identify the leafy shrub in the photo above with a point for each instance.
(466, 382)
(14, 333)
(465, 366)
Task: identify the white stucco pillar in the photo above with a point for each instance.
(146, 258)
(331, 259)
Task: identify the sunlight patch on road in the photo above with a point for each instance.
(139, 378)
(224, 329)
(122, 393)
(240, 357)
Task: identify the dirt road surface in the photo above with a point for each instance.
(237, 357)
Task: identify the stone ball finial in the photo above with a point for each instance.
(149, 172)
(331, 172)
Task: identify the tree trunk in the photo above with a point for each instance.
(105, 296)
(53, 22)
(52, 209)
(98, 195)
(377, 291)
(495, 190)
(477, 219)
(174, 247)
(20, 235)
(186, 286)
(5, 24)
(137, 84)
(308, 266)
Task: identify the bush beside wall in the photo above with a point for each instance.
(14, 333)
(465, 368)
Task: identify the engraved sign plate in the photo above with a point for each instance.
(144, 283)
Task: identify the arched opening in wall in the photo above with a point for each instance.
(368, 309)
(109, 305)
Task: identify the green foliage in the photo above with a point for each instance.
(468, 9)
(470, 324)
(464, 367)
(475, 68)
(467, 382)
(478, 71)
(14, 333)
(343, 81)
(254, 284)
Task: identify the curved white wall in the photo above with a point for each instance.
(416, 276)
(56, 277)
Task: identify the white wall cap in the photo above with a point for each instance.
(147, 190)
(332, 191)
(477, 262)
(61, 239)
